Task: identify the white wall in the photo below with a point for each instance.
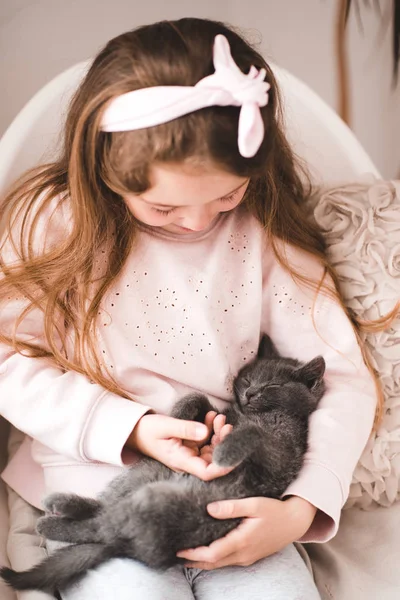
(40, 38)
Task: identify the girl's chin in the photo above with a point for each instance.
(174, 228)
(177, 229)
(180, 228)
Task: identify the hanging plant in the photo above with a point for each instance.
(344, 9)
(395, 26)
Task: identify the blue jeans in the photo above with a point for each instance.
(282, 576)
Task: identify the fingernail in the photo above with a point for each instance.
(200, 431)
(214, 507)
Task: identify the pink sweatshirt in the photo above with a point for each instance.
(185, 314)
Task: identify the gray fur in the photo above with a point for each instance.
(149, 512)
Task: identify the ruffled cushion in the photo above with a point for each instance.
(362, 228)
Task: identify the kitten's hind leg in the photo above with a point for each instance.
(71, 505)
(67, 530)
(192, 407)
(238, 445)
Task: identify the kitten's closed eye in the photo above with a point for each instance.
(247, 383)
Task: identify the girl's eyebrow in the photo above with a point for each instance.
(172, 206)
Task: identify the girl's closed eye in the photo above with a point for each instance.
(165, 212)
(168, 211)
(230, 198)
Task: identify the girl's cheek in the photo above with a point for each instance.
(235, 204)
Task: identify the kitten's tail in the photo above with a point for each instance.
(60, 570)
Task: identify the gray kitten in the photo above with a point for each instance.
(149, 512)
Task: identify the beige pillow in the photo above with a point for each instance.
(362, 228)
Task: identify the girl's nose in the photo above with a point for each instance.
(198, 219)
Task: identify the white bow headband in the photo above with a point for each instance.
(228, 86)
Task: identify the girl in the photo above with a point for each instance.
(144, 264)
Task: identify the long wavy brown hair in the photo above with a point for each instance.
(95, 169)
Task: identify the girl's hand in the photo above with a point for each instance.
(176, 443)
(221, 430)
(269, 525)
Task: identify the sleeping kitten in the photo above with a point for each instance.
(149, 512)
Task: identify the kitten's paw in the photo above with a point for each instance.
(71, 505)
(238, 445)
(52, 528)
(192, 407)
(226, 455)
(57, 504)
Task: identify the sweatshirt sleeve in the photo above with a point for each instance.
(304, 325)
(65, 411)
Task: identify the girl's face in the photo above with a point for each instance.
(183, 199)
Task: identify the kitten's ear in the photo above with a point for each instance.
(266, 348)
(312, 372)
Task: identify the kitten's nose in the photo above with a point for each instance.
(249, 394)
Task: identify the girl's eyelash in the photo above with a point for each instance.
(229, 198)
(163, 212)
(170, 210)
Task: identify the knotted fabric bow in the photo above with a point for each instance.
(227, 86)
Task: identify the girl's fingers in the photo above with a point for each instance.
(213, 471)
(226, 430)
(199, 467)
(209, 420)
(231, 509)
(210, 558)
(218, 550)
(215, 441)
(192, 445)
(230, 560)
(206, 453)
(169, 427)
(207, 457)
(219, 422)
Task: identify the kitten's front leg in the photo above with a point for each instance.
(238, 445)
(62, 529)
(192, 407)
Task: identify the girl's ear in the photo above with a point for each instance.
(266, 348)
(312, 372)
